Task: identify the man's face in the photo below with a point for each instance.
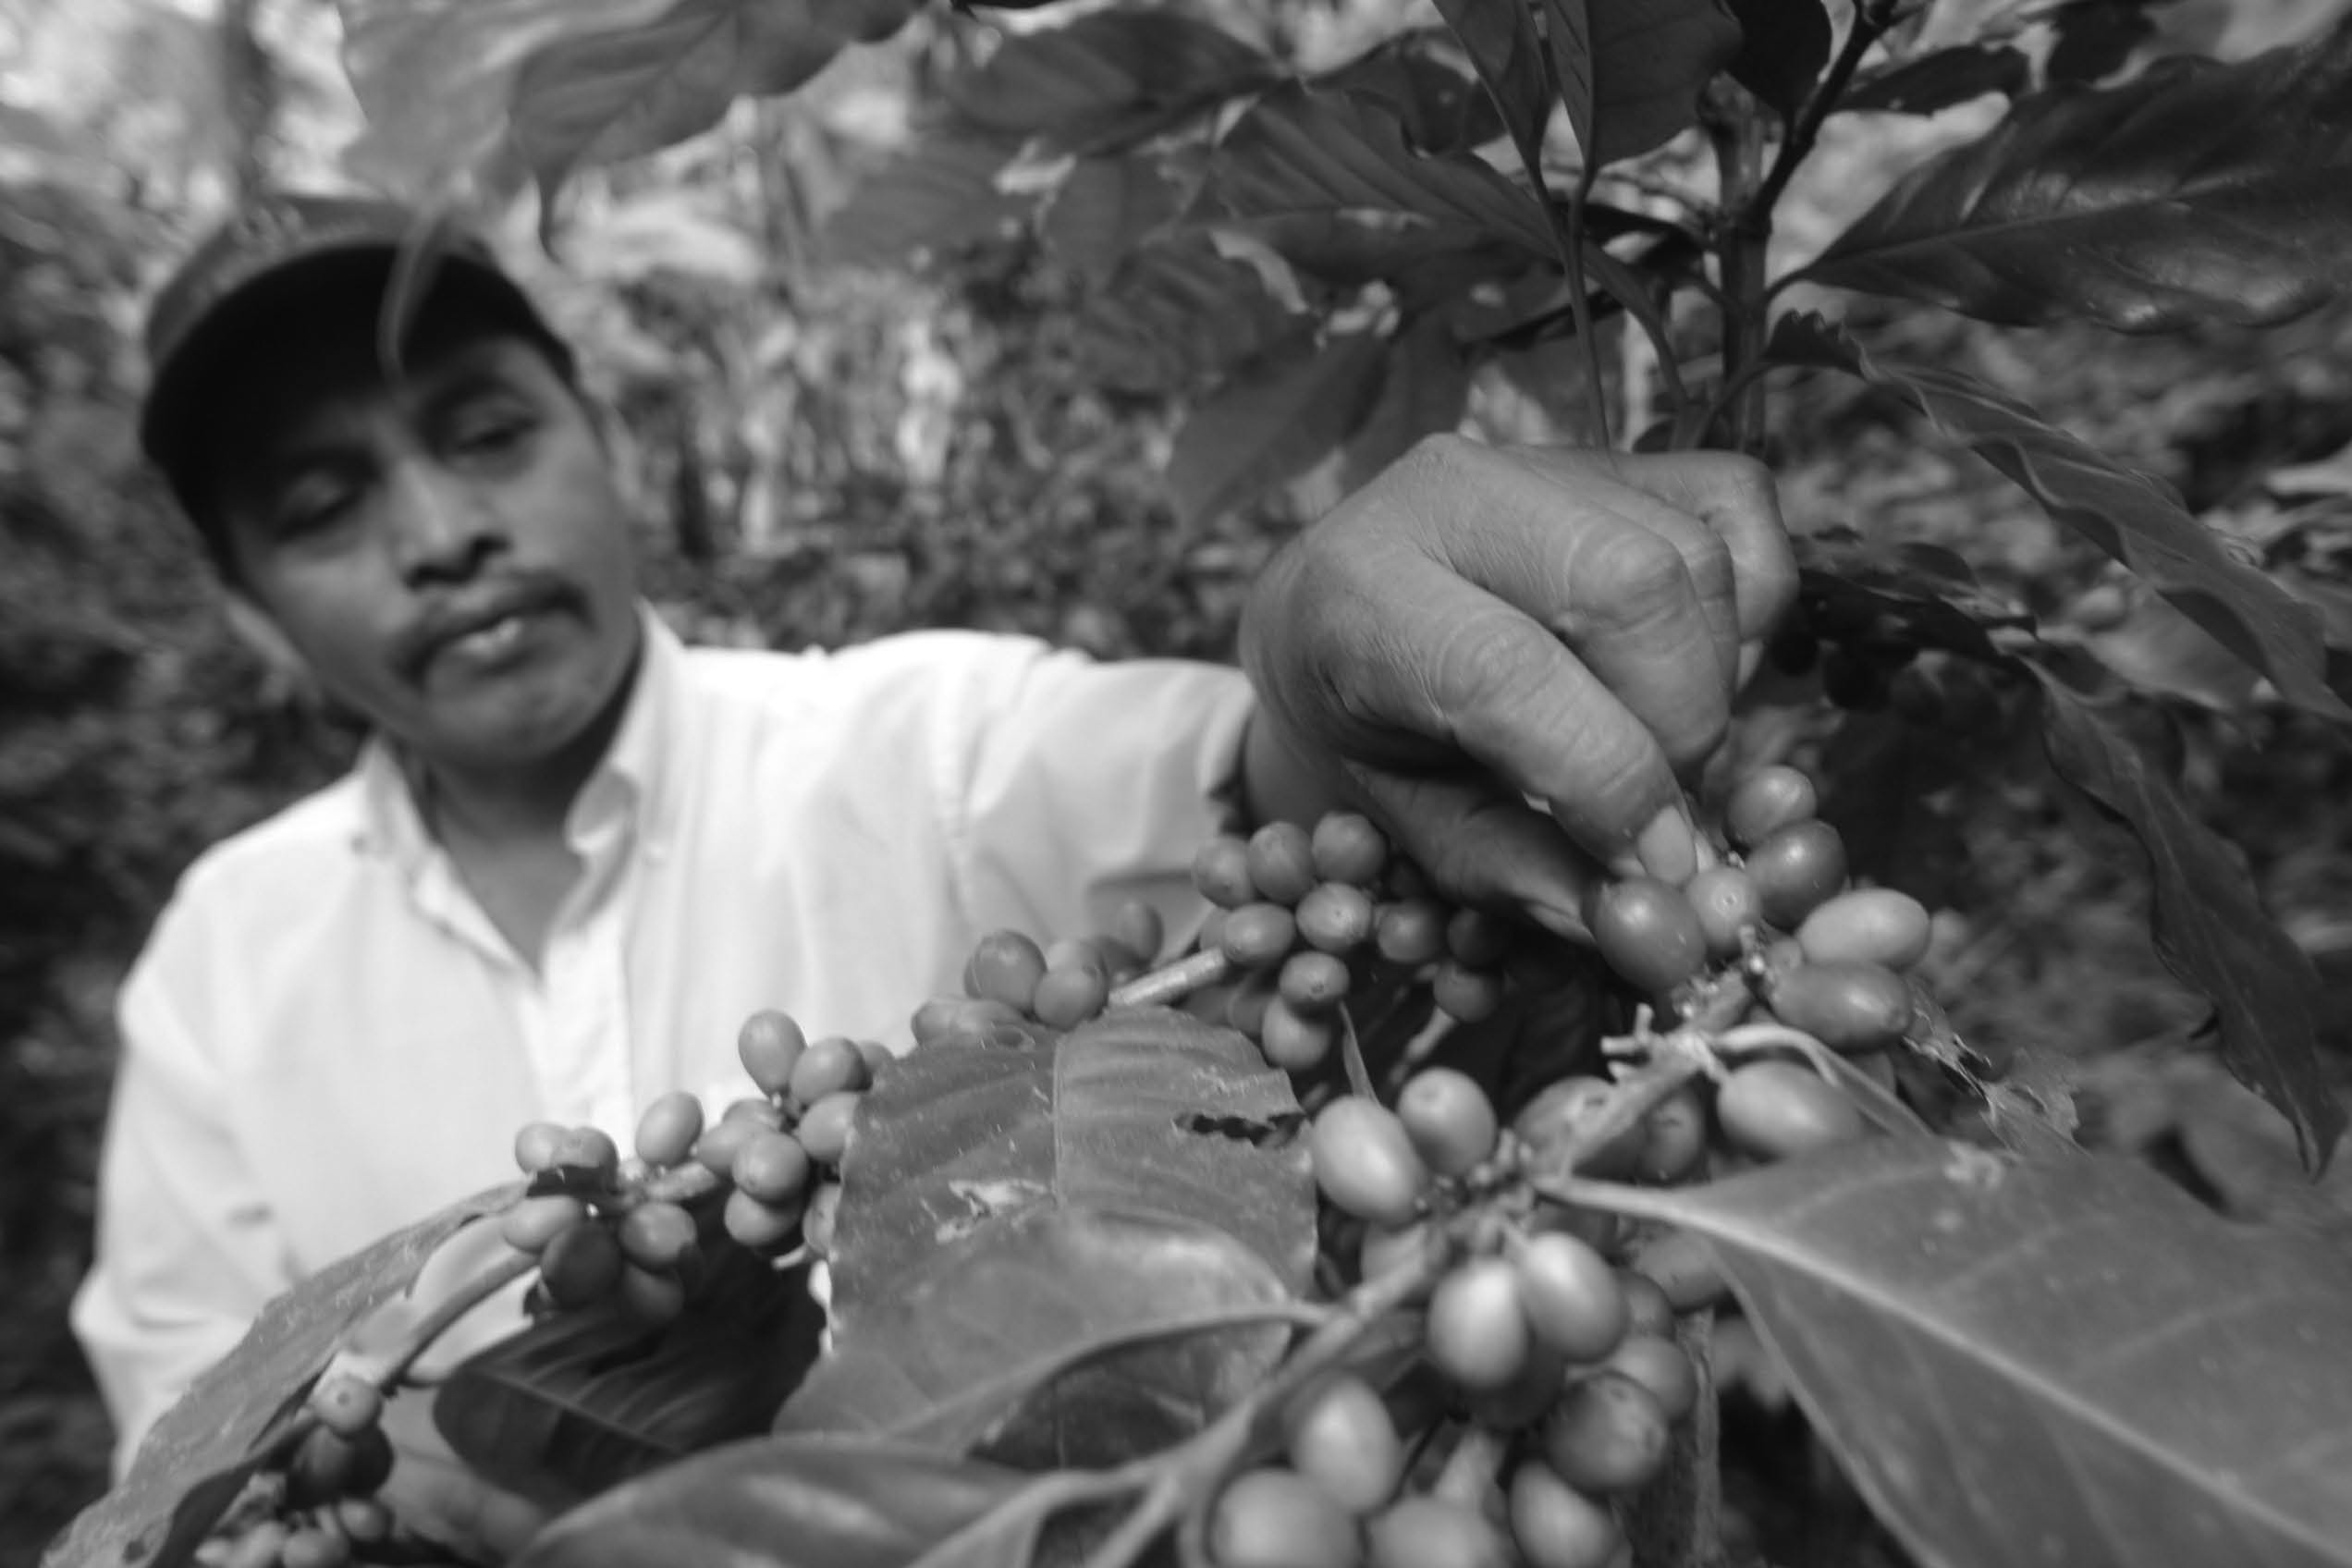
(448, 551)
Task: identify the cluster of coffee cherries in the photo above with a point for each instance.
(606, 1230)
(1772, 911)
(320, 1511)
(1303, 917)
(1553, 1376)
(1011, 981)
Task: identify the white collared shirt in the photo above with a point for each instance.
(325, 1038)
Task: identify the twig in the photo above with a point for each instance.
(1871, 19)
(1171, 983)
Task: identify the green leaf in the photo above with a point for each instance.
(954, 1138)
(1061, 1336)
(1273, 423)
(582, 1400)
(780, 1502)
(1418, 74)
(1936, 81)
(599, 97)
(1424, 390)
(1499, 37)
(1175, 314)
(198, 1457)
(1783, 46)
(1300, 152)
(1104, 80)
(2132, 515)
(2157, 649)
(2071, 1363)
(937, 196)
(1630, 70)
(431, 75)
(2193, 194)
(2094, 39)
(2209, 923)
(1104, 209)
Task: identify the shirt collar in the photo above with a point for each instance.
(631, 787)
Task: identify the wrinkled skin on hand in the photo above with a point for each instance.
(1479, 628)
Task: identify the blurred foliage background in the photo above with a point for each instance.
(823, 455)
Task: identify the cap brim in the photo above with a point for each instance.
(236, 327)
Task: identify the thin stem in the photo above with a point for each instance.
(1735, 128)
(1171, 983)
(1870, 20)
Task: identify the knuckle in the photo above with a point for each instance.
(1634, 577)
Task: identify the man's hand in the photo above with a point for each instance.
(1480, 627)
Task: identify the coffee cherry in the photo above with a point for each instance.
(1410, 932)
(769, 1044)
(772, 1167)
(1346, 847)
(1069, 997)
(1723, 897)
(1557, 1527)
(363, 1520)
(1571, 1297)
(1524, 1400)
(655, 1235)
(1137, 926)
(1221, 872)
(1270, 1518)
(1647, 932)
(326, 1465)
(666, 1133)
(310, 1546)
(347, 1406)
(757, 1225)
(1674, 1137)
(1314, 983)
(1339, 1435)
(259, 1546)
(1450, 1119)
(1646, 1309)
(536, 1145)
(1867, 926)
(580, 1267)
(1662, 1367)
(1247, 1010)
(1005, 966)
(825, 1126)
(1434, 1532)
(716, 1150)
(1463, 994)
(1477, 1329)
(1766, 801)
(1795, 870)
(1365, 1162)
(1846, 1006)
(877, 1056)
(652, 1295)
(1282, 862)
(589, 1150)
(1257, 936)
(1546, 1123)
(532, 1224)
(1685, 1266)
(1335, 917)
(1294, 1042)
(1780, 1109)
(1477, 938)
(1607, 1434)
(834, 1063)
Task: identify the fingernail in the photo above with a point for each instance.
(1564, 923)
(1669, 847)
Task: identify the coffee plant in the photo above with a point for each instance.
(1365, 1228)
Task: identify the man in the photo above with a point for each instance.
(575, 854)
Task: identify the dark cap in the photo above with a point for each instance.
(221, 296)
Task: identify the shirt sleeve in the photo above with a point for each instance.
(189, 1250)
(1077, 785)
